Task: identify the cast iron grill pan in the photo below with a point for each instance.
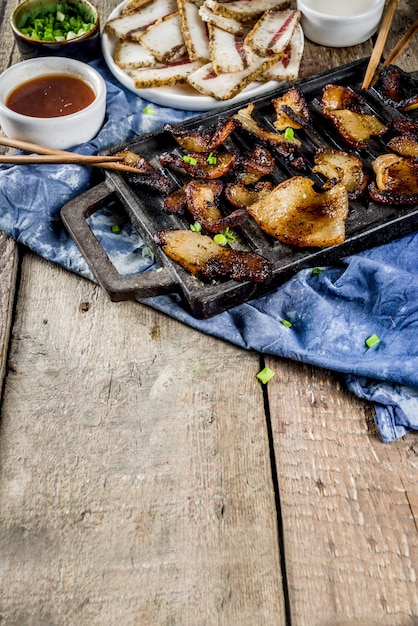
(368, 224)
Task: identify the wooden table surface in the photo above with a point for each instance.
(146, 478)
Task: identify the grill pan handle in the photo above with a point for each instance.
(117, 286)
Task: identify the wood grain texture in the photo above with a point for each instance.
(8, 273)
(136, 486)
(135, 481)
(349, 504)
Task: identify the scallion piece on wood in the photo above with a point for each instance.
(265, 375)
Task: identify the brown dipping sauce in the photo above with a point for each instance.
(52, 95)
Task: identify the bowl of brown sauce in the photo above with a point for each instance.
(68, 28)
(52, 101)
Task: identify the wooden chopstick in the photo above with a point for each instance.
(401, 45)
(78, 159)
(380, 43)
(50, 155)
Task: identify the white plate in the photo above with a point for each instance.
(182, 97)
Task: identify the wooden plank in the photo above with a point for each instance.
(8, 272)
(349, 504)
(135, 478)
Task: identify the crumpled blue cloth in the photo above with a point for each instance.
(332, 313)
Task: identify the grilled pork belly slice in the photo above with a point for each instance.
(397, 88)
(165, 40)
(396, 180)
(404, 145)
(170, 74)
(247, 122)
(291, 110)
(147, 175)
(129, 25)
(200, 255)
(253, 164)
(240, 195)
(203, 139)
(202, 198)
(194, 31)
(340, 167)
(356, 128)
(245, 10)
(272, 32)
(294, 213)
(198, 164)
(130, 55)
(346, 110)
(287, 67)
(337, 97)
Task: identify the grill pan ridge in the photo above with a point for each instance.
(368, 223)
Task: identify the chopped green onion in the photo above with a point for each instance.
(287, 323)
(115, 229)
(147, 253)
(159, 269)
(289, 134)
(211, 159)
(265, 375)
(373, 340)
(196, 227)
(220, 239)
(189, 159)
(62, 23)
(229, 236)
(317, 270)
(148, 110)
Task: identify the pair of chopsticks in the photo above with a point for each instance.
(46, 155)
(371, 75)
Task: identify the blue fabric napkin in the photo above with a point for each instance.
(331, 313)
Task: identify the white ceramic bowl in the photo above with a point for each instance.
(340, 23)
(54, 132)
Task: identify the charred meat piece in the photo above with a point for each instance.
(199, 165)
(356, 128)
(294, 213)
(176, 202)
(396, 180)
(147, 175)
(340, 167)
(346, 110)
(240, 195)
(337, 97)
(291, 110)
(200, 255)
(406, 143)
(397, 88)
(202, 199)
(254, 164)
(203, 139)
(247, 122)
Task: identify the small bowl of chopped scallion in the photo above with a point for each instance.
(64, 27)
